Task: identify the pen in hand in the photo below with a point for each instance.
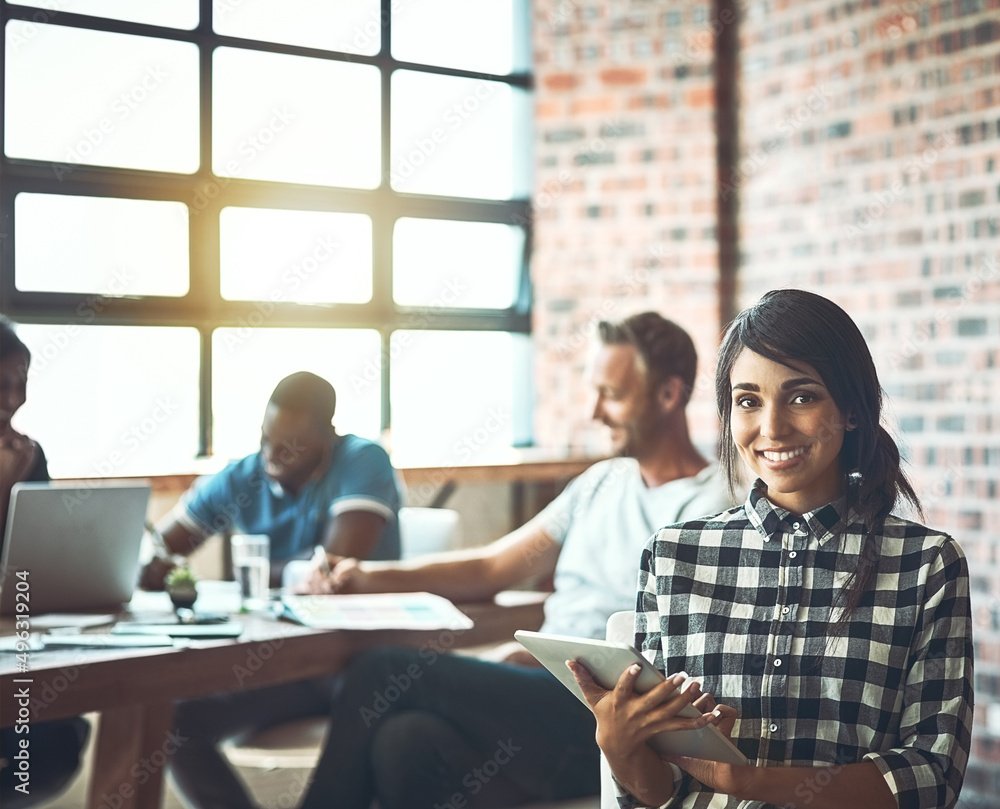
(319, 557)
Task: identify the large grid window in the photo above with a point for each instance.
(198, 197)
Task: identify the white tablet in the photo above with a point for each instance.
(606, 661)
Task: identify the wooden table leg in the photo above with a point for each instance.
(134, 744)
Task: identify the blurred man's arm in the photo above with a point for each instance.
(353, 533)
(475, 574)
(178, 539)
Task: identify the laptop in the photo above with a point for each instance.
(71, 547)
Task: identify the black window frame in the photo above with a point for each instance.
(203, 307)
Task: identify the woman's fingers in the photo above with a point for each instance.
(727, 719)
(659, 709)
(626, 682)
(671, 692)
(592, 692)
(705, 703)
(661, 722)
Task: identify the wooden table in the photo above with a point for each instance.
(135, 689)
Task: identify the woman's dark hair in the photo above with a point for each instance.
(788, 326)
(10, 343)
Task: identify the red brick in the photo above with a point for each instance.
(593, 105)
(700, 97)
(623, 75)
(550, 109)
(560, 81)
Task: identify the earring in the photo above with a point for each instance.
(852, 423)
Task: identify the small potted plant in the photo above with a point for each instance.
(180, 583)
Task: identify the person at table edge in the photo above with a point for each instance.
(54, 747)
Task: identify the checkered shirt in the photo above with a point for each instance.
(745, 599)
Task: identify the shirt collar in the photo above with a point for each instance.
(825, 523)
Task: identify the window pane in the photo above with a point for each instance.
(109, 246)
(431, 265)
(168, 13)
(463, 409)
(352, 26)
(297, 256)
(292, 119)
(455, 33)
(76, 96)
(457, 137)
(112, 400)
(248, 363)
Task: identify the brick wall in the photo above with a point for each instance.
(624, 193)
(870, 172)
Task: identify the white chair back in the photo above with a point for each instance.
(427, 530)
(621, 629)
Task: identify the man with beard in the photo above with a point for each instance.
(415, 728)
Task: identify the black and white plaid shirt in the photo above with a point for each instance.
(744, 600)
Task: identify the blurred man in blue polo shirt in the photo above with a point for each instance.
(306, 486)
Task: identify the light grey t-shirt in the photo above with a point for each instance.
(603, 520)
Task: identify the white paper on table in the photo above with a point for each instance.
(376, 611)
(218, 596)
(66, 620)
(16, 645)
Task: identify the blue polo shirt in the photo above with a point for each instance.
(242, 499)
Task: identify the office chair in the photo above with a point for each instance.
(621, 629)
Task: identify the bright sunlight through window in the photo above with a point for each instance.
(202, 205)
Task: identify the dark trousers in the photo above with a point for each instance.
(54, 755)
(416, 729)
(412, 728)
(200, 771)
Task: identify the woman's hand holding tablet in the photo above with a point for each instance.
(606, 661)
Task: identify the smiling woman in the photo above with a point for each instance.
(830, 638)
(788, 430)
(795, 338)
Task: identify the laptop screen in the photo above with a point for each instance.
(75, 545)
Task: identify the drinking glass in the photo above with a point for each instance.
(252, 568)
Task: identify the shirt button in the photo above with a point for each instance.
(795, 526)
(777, 662)
(785, 610)
(773, 728)
(792, 555)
